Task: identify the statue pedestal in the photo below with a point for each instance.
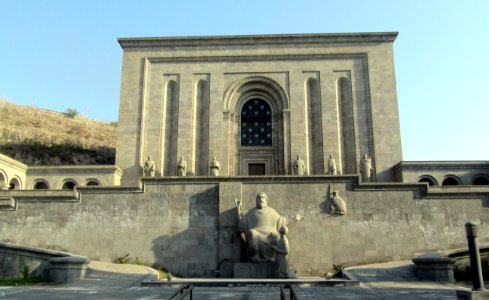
(254, 270)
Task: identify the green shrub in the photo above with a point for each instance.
(71, 112)
(122, 259)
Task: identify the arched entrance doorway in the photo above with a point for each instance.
(257, 108)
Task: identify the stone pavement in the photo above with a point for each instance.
(393, 280)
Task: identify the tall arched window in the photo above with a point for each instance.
(256, 124)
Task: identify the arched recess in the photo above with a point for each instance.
(200, 125)
(451, 180)
(15, 184)
(3, 180)
(429, 179)
(480, 179)
(276, 157)
(40, 184)
(92, 182)
(314, 127)
(170, 130)
(68, 184)
(346, 125)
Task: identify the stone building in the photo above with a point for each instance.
(256, 102)
(15, 175)
(266, 107)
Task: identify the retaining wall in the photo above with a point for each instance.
(187, 225)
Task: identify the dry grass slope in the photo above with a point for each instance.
(44, 137)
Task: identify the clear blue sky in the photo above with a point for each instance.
(64, 54)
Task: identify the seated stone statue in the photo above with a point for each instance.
(260, 226)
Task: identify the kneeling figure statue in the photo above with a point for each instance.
(260, 226)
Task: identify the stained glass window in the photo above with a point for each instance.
(256, 124)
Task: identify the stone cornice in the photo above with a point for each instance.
(242, 40)
(12, 163)
(425, 165)
(74, 169)
(247, 58)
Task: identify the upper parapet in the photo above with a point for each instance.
(272, 39)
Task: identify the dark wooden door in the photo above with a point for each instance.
(256, 169)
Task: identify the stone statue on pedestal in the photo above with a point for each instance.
(331, 165)
(260, 226)
(149, 167)
(214, 167)
(299, 166)
(366, 168)
(182, 167)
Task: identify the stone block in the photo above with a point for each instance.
(434, 267)
(228, 218)
(254, 270)
(231, 252)
(226, 270)
(472, 295)
(68, 268)
(7, 203)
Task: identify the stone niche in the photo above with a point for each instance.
(244, 250)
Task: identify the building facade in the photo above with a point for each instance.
(257, 102)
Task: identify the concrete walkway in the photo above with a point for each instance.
(393, 280)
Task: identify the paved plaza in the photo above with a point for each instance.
(111, 281)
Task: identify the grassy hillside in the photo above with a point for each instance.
(43, 137)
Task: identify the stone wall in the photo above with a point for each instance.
(178, 223)
(166, 225)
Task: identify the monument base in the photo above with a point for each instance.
(472, 295)
(254, 270)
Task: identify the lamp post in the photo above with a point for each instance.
(475, 260)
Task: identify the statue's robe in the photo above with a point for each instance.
(260, 227)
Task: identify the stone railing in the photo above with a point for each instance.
(438, 266)
(17, 261)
